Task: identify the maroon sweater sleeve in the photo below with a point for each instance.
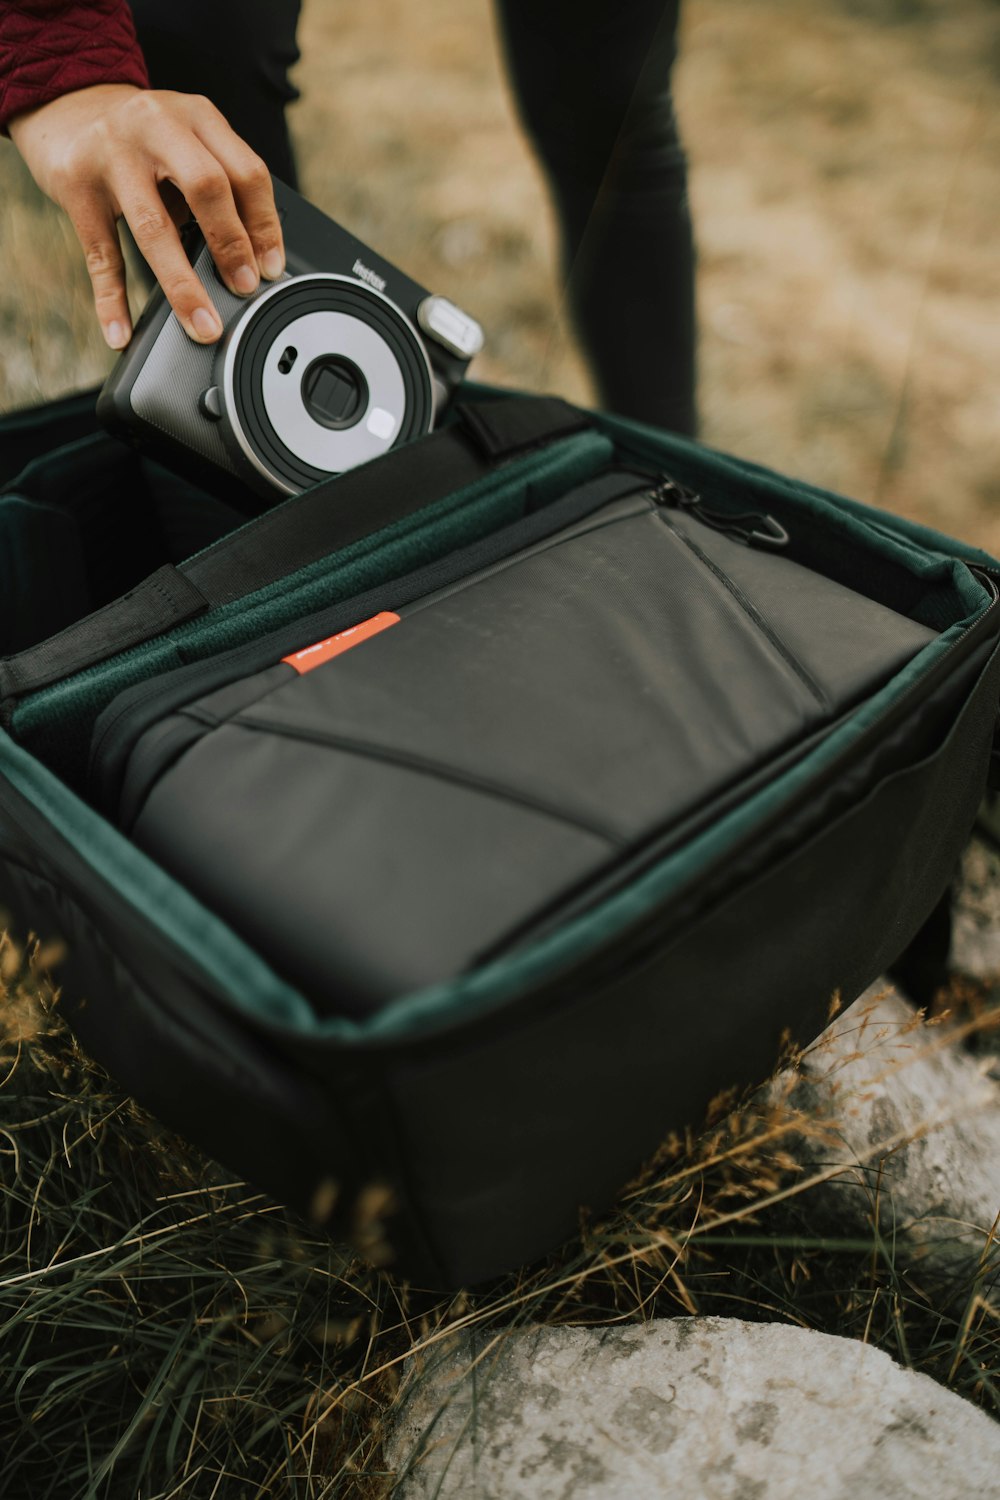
(51, 47)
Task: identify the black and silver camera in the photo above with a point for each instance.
(340, 361)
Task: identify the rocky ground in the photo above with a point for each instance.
(684, 1409)
(710, 1408)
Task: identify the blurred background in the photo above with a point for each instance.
(846, 194)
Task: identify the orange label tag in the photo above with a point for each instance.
(315, 656)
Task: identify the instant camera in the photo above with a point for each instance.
(341, 360)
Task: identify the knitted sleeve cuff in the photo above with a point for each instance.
(53, 47)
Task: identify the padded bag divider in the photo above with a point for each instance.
(509, 740)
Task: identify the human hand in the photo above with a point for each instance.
(149, 156)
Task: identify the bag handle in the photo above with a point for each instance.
(303, 530)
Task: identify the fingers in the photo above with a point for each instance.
(157, 238)
(250, 184)
(112, 150)
(205, 184)
(94, 221)
(229, 191)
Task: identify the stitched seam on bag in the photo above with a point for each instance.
(754, 615)
(113, 606)
(200, 715)
(428, 767)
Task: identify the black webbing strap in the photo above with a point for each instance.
(301, 531)
(161, 601)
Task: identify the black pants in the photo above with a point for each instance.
(592, 83)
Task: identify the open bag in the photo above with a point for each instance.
(464, 824)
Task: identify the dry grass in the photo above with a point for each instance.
(170, 1332)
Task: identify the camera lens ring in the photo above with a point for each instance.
(259, 333)
(275, 410)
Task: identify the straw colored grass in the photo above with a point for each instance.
(170, 1332)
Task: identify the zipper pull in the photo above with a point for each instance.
(755, 528)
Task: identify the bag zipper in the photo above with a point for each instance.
(755, 528)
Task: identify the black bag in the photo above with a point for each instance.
(638, 755)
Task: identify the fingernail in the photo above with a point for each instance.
(117, 335)
(272, 264)
(205, 324)
(245, 280)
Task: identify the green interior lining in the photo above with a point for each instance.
(40, 429)
(943, 588)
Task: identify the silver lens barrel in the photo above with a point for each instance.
(319, 374)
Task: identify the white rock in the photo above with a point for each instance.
(918, 1130)
(686, 1408)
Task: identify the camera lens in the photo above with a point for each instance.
(334, 391)
(320, 374)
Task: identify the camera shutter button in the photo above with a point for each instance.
(210, 404)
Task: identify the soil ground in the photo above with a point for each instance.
(846, 190)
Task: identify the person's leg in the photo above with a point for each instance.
(237, 53)
(592, 84)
